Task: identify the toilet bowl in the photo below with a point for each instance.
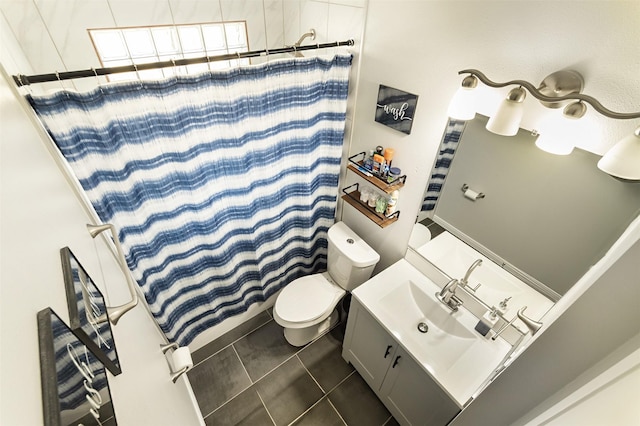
(306, 308)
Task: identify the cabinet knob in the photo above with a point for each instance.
(396, 361)
(386, 354)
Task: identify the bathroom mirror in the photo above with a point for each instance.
(545, 218)
(74, 382)
(87, 312)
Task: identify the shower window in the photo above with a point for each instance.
(139, 45)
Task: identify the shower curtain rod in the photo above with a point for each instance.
(24, 80)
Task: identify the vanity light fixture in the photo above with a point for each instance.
(558, 131)
(622, 161)
(506, 120)
(463, 103)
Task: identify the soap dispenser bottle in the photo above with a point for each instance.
(488, 320)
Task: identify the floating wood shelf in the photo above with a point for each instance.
(353, 197)
(357, 167)
(379, 219)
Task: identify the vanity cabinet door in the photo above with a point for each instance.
(406, 389)
(413, 397)
(368, 346)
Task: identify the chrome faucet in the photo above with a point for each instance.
(448, 295)
(465, 281)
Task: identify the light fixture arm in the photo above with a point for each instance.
(114, 313)
(535, 92)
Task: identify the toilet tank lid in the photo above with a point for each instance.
(352, 246)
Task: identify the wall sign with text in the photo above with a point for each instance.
(396, 108)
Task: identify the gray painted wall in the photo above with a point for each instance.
(550, 216)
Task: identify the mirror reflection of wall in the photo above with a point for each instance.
(548, 217)
(88, 312)
(74, 381)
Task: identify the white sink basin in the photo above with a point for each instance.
(457, 357)
(408, 306)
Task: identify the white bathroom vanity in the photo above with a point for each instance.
(425, 361)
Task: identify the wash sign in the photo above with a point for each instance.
(396, 108)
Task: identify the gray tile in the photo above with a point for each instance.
(357, 403)
(323, 359)
(230, 337)
(323, 414)
(264, 349)
(288, 391)
(218, 379)
(245, 409)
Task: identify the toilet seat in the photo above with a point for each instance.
(306, 299)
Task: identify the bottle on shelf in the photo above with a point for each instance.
(381, 204)
(392, 202)
(388, 155)
(378, 164)
(394, 173)
(368, 161)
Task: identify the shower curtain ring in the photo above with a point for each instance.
(175, 67)
(61, 85)
(209, 64)
(135, 67)
(26, 85)
(97, 80)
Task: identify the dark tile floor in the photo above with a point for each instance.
(252, 376)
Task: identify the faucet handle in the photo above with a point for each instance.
(452, 284)
(473, 289)
(503, 304)
(454, 302)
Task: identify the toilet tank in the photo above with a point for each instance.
(350, 260)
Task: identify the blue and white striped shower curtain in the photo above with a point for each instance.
(450, 140)
(222, 185)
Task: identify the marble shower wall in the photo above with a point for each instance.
(53, 34)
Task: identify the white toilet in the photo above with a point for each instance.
(306, 308)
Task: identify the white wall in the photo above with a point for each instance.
(40, 214)
(419, 47)
(612, 383)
